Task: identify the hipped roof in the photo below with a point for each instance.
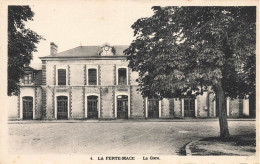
(86, 51)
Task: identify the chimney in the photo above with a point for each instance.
(54, 48)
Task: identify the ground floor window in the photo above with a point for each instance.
(122, 107)
(153, 108)
(27, 108)
(92, 106)
(62, 107)
(189, 107)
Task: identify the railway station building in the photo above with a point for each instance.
(95, 82)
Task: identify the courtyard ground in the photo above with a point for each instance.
(115, 137)
(238, 145)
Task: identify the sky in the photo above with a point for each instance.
(73, 24)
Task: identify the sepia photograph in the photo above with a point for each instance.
(114, 81)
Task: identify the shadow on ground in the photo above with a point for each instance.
(239, 145)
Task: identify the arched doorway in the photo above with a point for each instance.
(27, 108)
(92, 106)
(62, 107)
(122, 107)
(153, 107)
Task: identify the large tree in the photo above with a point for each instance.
(182, 50)
(21, 45)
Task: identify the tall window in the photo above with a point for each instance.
(28, 79)
(61, 76)
(92, 77)
(122, 76)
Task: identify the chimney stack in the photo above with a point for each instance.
(54, 48)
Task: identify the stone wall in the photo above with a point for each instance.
(49, 103)
(38, 103)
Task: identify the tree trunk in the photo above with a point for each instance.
(224, 132)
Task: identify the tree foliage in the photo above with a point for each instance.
(183, 50)
(21, 45)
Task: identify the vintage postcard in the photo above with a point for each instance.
(129, 81)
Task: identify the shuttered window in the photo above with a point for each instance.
(122, 76)
(92, 77)
(61, 76)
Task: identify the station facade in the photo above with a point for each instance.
(95, 82)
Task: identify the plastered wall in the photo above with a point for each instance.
(50, 73)
(13, 106)
(165, 108)
(107, 73)
(202, 108)
(137, 104)
(177, 108)
(107, 100)
(77, 75)
(77, 106)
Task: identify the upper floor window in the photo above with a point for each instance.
(92, 76)
(27, 78)
(61, 76)
(122, 76)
